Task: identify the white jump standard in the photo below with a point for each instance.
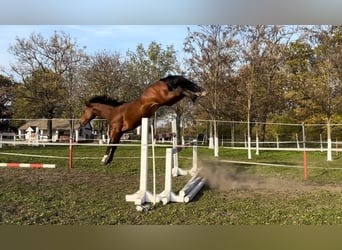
(142, 195)
(192, 187)
(185, 195)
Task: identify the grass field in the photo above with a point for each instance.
(235, 193)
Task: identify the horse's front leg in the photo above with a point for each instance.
(109, 155)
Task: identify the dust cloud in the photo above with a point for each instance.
(225, 176)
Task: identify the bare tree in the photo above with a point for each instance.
(211, 60)
(147, 65)
(262, 55)
(105, 75)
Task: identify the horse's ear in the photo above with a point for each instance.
(87, 103)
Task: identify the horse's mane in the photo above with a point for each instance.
(175, 81)
(103, 99)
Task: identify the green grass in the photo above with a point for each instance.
(236, 194)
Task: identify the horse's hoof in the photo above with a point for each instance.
(106, 164)
(104, 160)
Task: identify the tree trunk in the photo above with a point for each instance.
(232, 134)
(249, 150)
(329, 156)
(49, 128)
(211, 136)
(178, 127)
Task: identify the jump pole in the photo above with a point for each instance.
(194, 189)
(153, 166)
(27, 165)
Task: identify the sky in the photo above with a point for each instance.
(121, 25)
(171, 12)
(118, 38)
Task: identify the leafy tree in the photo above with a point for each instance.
(313, 89)
(211, 60)
(298, 68)
(40, 97)
(263, 53)
(145, 66)
(57, 57)
(7, 94)
(105, 75)
(327, 85)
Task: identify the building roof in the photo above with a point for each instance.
(57, 124)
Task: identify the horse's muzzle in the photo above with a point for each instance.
(203, 93)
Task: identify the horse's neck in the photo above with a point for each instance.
(103, 111)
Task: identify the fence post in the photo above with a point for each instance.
(256, 140)
(304, 154)
(297, 141)
(329, 155)
(71, 141)
(321, 141)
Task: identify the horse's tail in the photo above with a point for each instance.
(174, 82)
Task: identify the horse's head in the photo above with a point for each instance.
(88, 115)
(188, 88)
(98, 106)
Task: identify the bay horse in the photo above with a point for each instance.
(125, 116)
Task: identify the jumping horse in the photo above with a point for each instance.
(125, 116)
